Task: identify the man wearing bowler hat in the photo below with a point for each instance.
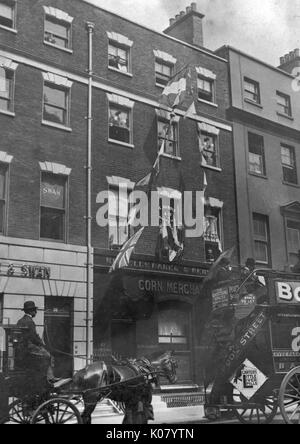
(32, 352)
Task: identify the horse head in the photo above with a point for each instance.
(165, 366)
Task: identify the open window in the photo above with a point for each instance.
(213, 229)
(119, 204)
(120, 119)
(119, 56)
(57, 28)
(206, 84)
(209, 145)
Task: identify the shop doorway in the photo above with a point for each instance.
(174, 333)
(123, 338)
(58, 333)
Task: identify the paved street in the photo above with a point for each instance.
(181, 415)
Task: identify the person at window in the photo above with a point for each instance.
(115, 118)
(31, 353)
(209, 151)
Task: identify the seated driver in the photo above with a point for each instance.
(32, 353)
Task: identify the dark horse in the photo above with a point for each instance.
(128, 382)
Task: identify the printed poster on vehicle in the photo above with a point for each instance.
(248, 379)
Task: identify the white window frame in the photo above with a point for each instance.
(266, 241)
(165, 116)
(65, 19)
(210, 131)
(14, 8)
(121, 42)
(64, 84)
(297, 222)
(123, 104)
(281, 109)
(56, 170)
(114, 184)
(256, 85)
(263, 155)
(217, 206)
(9, 66)
(208, 76)
(289, 166)
(163, 58)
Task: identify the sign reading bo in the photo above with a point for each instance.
(288, 292)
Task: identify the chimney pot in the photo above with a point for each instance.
(282, 60)
(194, 6)
(297, 52)
(188, 9)
(286, 58)
(182, 13)
(177, 16)
(291, 55)
(172, 21)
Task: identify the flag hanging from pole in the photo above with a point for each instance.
(179, 90)
(191, 111)
(123, 258)
(147, 180)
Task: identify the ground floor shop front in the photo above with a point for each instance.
(53, 276)
(148, 309)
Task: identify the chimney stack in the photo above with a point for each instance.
(187, 26)
(290, 61)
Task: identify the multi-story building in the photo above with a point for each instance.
(74, 77)
(265, 112)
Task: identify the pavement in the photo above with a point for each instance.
(176, 415)
(162, 414)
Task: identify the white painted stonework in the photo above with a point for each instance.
(67, 279)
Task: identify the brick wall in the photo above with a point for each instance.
(30, 142)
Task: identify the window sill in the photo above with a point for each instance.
(285, 116)
(128, 74)
(160, 86)
(118, 142)
(261, 176)
(7, 113)
(215, 105)
(170, 156)
(14, 31)
(69, 51)
(57, 126)
(251, 102)
(210, 167)
(295, 185)
(58, 241)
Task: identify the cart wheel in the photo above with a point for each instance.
(289, 397)
(19, 413)
(57, 411)
(263, 414)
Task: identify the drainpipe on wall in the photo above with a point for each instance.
(89, 348)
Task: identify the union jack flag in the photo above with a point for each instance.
(123, 258)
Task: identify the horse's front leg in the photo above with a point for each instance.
(90, 403)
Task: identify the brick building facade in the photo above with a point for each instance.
(45, 146)
(265, 113)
